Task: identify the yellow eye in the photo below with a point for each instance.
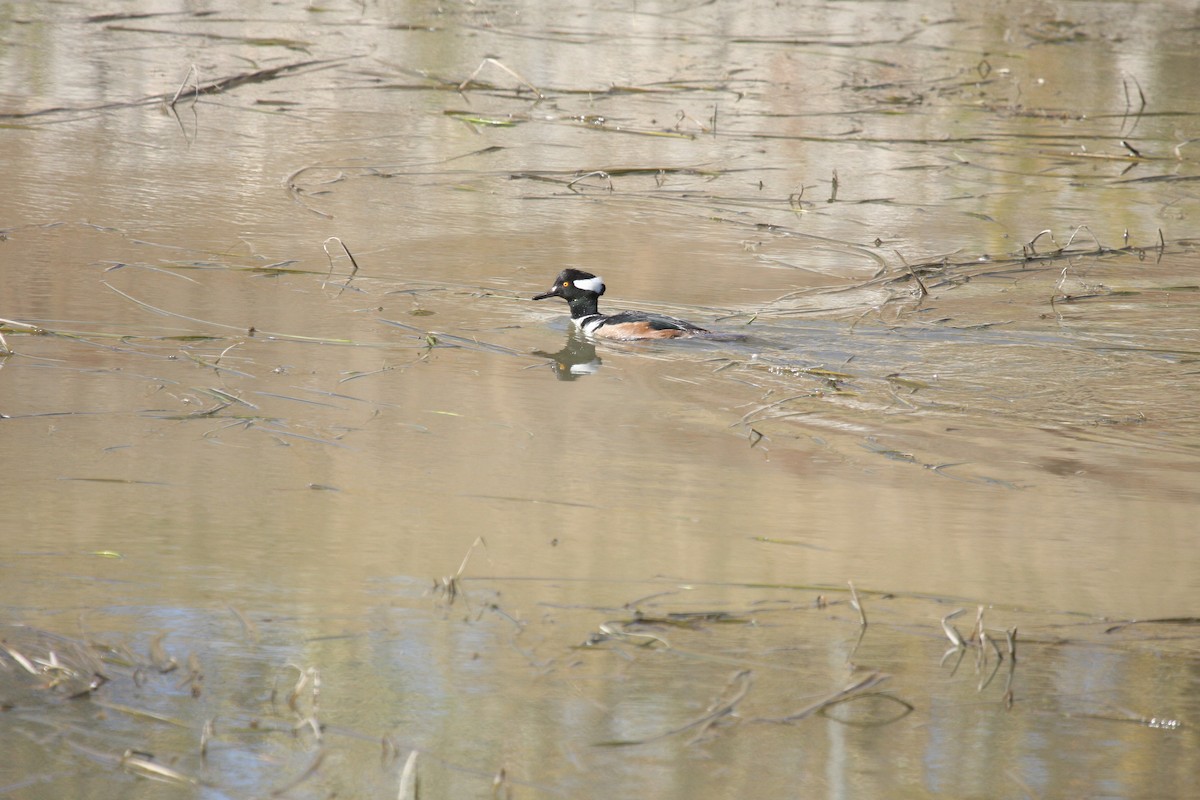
(566, 284)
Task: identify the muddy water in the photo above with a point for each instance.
(583, 570)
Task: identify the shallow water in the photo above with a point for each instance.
(282, 460)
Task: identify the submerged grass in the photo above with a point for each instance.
(209, 88)
(784, 645)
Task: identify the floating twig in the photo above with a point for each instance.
(213, 87)
(163, 662)
(496, 63)
(449, 587)
(1125, 79)
(346, 250)
(619, 630)
(206, 735)
(408, 779)
(951, 633)
(5, 350)
(501, 789)
(924, 291)
(1029, 246)
(1074, 233)
(856, 604)
(682, 116)
(861, 685)
(140, 765)
(305, 678)
(594, 174)
(194, 73)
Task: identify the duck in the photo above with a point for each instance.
(582, 291)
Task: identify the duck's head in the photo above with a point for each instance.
(574, 283)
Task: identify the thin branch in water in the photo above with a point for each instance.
(213, 87)
(389, 750)
(619, 631)
(294, 192)
(217, 363)
(346, 250)
(193, 73)
(408, 778)
(795, 199)
(723, 706)
(206, 735)
(682, 116)
(449, 586)
(1179, 148)
(1099, 247)
(501, 790)
(985, 681)
(977, 635)
(955, 637)
(869, 682)
(5, 350)
(537, 92)
(163, 661)
(1125, 79)
(962, 652)
(306, 677)
(187, 138)
(139, 765)
(1029, 248)
(920, 283)
(856, 604)
(596, 174)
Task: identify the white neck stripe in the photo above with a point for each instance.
(589, 323)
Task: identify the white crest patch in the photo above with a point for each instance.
(595, 284)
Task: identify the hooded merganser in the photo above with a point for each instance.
(582, 290)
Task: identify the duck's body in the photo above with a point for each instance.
(582, 292)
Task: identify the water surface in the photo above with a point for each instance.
(390, 504)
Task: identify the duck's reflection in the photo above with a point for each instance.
(577, 358)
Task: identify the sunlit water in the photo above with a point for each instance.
(582, 570)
